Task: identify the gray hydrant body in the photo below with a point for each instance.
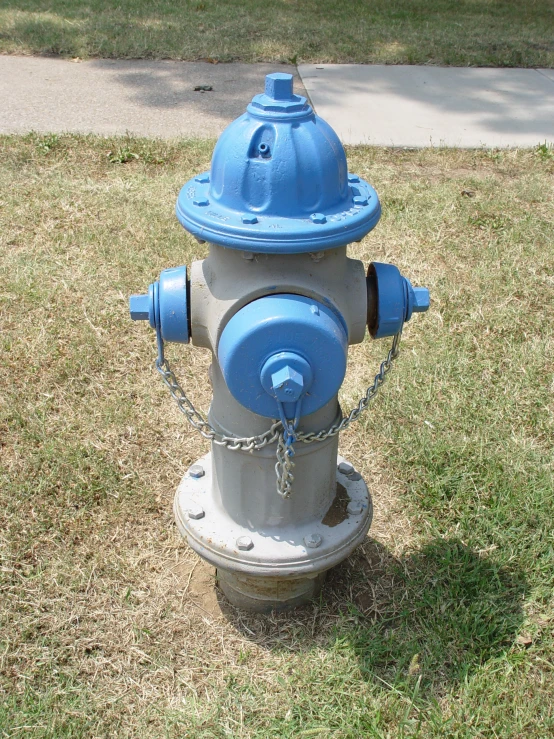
(277, 301)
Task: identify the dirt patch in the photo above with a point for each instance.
(200, 585)
(337, 513)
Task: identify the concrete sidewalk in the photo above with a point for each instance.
(433, 106)
(369, 104)
(143, 98)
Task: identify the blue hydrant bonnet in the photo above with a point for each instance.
(279, 182)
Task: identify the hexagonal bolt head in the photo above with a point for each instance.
(422, 299)
(345, 468)
(244, 543)
(287, 384)
(279, 86)
(196, 512)
(139, 307)
(355, 507)
(318, 218)
(312, 541)
(196, 471)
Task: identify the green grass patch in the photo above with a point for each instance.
(462, 33)
(440, 625)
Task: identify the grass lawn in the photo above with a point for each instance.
(441, 625)
(505, 33)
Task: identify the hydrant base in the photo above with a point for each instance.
(274, 567)
(263, 595)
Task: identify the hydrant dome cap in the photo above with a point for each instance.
(278, 182)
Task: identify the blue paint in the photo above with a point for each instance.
(392, 299)
(165, 306)
(279, 331)
(278, 182)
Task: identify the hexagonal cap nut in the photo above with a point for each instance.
(139, 307)
(312, 541)
(195, 512)
(196, 471)
(279, 86)
(287, 384)
(422, 299)
(355, 507)
(244, 543)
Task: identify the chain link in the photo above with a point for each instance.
(284, 466)
(276, 432)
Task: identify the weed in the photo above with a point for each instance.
(47, 143)
(122, 155)
(545, 151)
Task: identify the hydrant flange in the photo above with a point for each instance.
(339, 530)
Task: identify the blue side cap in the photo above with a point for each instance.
(392, 300)
(303, 337)
(279, 182)
(166, 305)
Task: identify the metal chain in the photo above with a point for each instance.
(283, 467)
(276, 432)
(197, 420)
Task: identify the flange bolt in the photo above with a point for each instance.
(312, 541)
(196, 512)
(196, 471)
(355, 507)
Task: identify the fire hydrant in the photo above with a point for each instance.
(277, 301)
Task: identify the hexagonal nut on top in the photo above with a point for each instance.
(287, 384)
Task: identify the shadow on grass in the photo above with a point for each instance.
(438, 613)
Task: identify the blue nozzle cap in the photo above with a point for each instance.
(165, 306)
(392, 300)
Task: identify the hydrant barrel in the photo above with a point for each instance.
(277, 301)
